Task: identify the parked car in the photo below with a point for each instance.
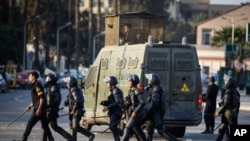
(3, 84)
(22, 81)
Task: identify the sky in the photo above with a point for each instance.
(230, 2)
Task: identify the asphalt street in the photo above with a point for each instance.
(14, 103)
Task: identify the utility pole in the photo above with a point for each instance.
(77, 42)
(69, 43)
(90, 28)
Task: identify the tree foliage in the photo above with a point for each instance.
(224, 36)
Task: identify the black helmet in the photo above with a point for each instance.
(111, 80)
(231, 83)
(50, 79)
(72, 81)
(134, 78)
(155, 80)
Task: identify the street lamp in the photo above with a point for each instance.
(24, 39)
(58, 46)
(232, 23)
(94, 44)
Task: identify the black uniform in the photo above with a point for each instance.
(136, 103)
(75, 101)
(228, 109)
(155, 114)
(53, 97)
(37, 93)
(115, 101)
(210, 99)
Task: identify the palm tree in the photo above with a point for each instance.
(224, 36)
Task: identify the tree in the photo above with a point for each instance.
(224, 36)
(174, 31)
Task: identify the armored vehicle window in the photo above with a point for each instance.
(91, 77)
(120, 63)
(184, 65)
(104, 64)
(158, 63)
(132, 63)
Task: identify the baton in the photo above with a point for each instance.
(218, 126)
(17, 117)
(63, 115)
(100, 117)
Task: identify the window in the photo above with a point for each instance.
(120, 63)
(91, 77)
(184, 65)
(206, 36)
(81, 2)
(132, 63)
(95, 3)
(158, 63)
(104, 64)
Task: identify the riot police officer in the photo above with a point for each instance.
(75, 101)
(114, 106)
(156, 108)
(228, 109)
(53, 97)
(39, 105)
(135, 101)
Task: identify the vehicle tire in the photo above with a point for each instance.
(178, 132)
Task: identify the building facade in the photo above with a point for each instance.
(238, 16)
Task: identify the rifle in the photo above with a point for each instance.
(17, 117)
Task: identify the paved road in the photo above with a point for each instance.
(14, 103)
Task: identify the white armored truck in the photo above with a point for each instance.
(176, 64)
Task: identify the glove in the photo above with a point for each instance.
(66, 103)
(104, 103)
(220, 104)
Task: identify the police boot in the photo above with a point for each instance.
(91, 137)
(74, 135)
(207, 131)
(220, 136)
(212, 130)
(24, 138)
(51, 139)
(71, 138)
(169, 136)
(117, 138)
(149, 137)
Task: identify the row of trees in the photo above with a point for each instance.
(53, 14)
(76, 40)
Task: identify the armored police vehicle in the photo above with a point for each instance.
(176, 64)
